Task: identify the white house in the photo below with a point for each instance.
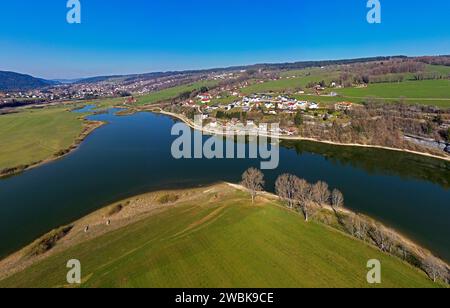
(313, 106)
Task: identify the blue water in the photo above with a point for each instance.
(131, 155)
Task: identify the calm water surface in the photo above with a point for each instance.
(131, 155)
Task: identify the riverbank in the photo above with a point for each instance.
(113, 177)
(191, 124)
(89, 127)
(40, 137)
(150, 241)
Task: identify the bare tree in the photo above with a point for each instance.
(321, 193)
(337, 199)
(434, 268)
(253, 180)
(304, 197)
(285, 187)
(381, 238)
(358, 227)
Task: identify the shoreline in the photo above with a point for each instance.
(298, 138)
(146, 206)
(97, 124)
(91, 126)
(88, 128)
(343, 210)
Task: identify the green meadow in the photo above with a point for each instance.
(440, 69)
(173, 92)
(293, 80)
(427, 92)
(31, 136)
(217, 238)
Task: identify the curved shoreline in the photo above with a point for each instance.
(343, 210)
(88, 128)
(20, 260)
(98, 124)
(298, 138)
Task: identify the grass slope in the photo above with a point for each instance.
(173, 92)
(216, 238)
(296, 80)
(426, 92)
(34, 135)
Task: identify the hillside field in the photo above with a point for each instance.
(33, 135)
(426, 92)
(172, 93)
(212, 237)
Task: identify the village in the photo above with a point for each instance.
(239, 112)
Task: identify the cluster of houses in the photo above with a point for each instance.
(273, 105)
(343, 106)
(249, 128)
(281, 103)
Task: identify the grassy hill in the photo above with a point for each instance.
(210, 237)
(436, 92)
(173, 92)
(292, 80)
(34, 135)
(426, 92)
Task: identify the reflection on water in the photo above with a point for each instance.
(375, 161)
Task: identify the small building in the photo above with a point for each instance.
(313, 106)
(343, 106)
(130, 100)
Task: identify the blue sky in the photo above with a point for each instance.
(117, 37)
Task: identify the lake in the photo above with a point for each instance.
(131, 155)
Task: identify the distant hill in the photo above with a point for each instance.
(14, 81)
(132, 77)
(10, 81)
(280, 66)
(65, 81)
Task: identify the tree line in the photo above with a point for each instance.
(308, 199)
(297, 193)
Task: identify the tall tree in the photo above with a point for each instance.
(298, 120)
(434, 268)
(304, 196)
(337, 199)
(321, 193)
(285, 188)
(253, 180)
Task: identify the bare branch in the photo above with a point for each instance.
(253, 180)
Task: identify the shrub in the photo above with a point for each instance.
(116, 209)
(168, 198)
(49, 241)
